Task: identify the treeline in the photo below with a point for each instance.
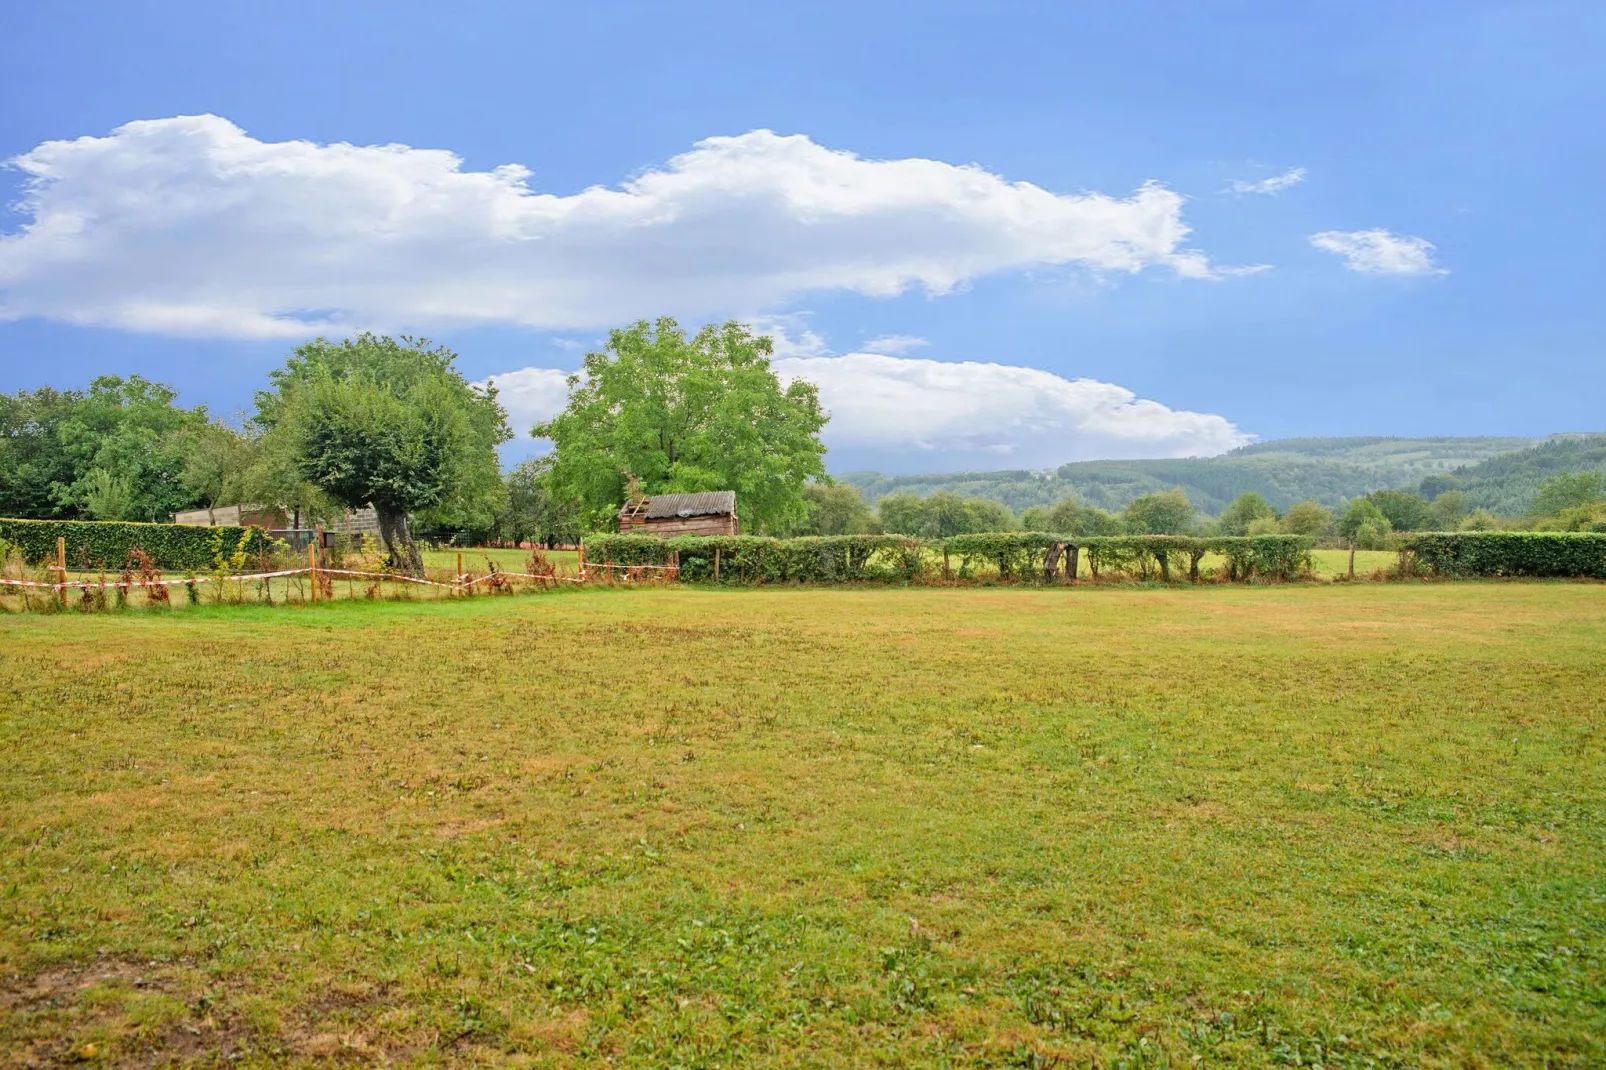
(1499, 474)
(1567, 501)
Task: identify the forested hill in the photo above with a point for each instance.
(1284, 471)
(1506, 483)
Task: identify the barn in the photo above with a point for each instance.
(710, 512)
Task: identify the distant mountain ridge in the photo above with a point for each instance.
(1283, 471)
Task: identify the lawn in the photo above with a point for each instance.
(1352, 825)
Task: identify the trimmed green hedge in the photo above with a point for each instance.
(1509, 553)
(95, 544)
(755, 559)
(1022, 555)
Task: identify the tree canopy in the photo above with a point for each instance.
(1169, 513)
(115, 452)
(683, 414)
(389, 423)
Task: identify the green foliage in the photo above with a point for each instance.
(941, 515)
(1283, 472)
(836, 509)
(1567, 490)
(533, 512)
(758, 559)
(1308, 518)
(1018, 555)
(1403, 510)
(1361, 513)
(686, 414)
(1447, 510)
(1169, 513)
(1507, 484)
(116, 451)
(1509, 553)
(389, 423)
(94, 545)
(1245, 509)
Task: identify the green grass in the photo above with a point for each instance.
(1349, 824)
(506, 560)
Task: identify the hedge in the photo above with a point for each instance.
(756, 559)
(1508, 553)
(1024, 555)
(96, 544)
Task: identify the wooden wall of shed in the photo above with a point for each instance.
(669, 527)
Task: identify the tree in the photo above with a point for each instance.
(1447, 510)
(1566, 490)
(1308, 518)
(1361, 512)
(389, 423)
(1071, 517)
(217, 464)
(835, 509)
(902, 514)
(1244, 510)
(533, 512)
(35, 469)
(117, 450)
(688, 414)
(1403, 510)
(1160, 514)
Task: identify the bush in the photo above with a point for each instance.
(106, 544)
(1509, 553)
(755, 559)
(1019, 555)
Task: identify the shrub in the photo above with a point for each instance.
(756, 559)
(97, 544)
(1018, 555)
(1509, 553)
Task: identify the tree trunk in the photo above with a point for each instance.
(1051, 562)
(1073, 554)
(402, 553)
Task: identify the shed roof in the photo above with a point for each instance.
(705, 503)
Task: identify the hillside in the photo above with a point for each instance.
(1284, 471)
(1506, 483)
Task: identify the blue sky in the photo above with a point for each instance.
(1369, 218)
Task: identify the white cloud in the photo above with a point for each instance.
(1020, 415)
(886, 405)
(1273, 185)
(1378, 252)
(894, 343)
(530, 395)
(188, 225)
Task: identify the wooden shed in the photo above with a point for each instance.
(711, 512)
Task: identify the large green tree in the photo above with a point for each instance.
(679, 413)
(115, 452)
(835, 509)
(390, 423)
(1243, 511)
(1169, 513)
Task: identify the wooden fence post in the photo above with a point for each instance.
(458, 581)
(581, 550)
(716, 564)
(312, 568)
(1070, 566)
(1352, 559)
(61, 565)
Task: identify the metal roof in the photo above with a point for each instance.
(706, 503)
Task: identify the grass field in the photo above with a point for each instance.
(1353, 825)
